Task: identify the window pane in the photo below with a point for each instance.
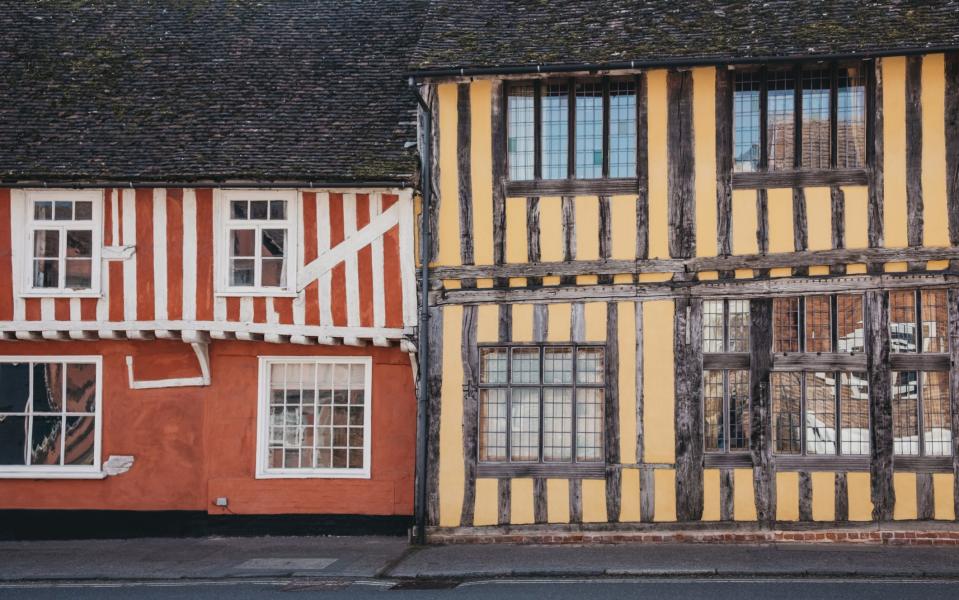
(63, 210)
(818, 324)
(854, 414)
(243, 242)
(273, 273)
(555, 130)
(557, 424)
(48, 387)
(589, 130)
(524, 440)
(786, 324)
(492, 365)
(738, 387)
(815, 119)
(557, 365)
(821, 413)
(14, 387)
(936, 416)
(589, 425)
(713, 412)
(46, 243)
(851, 115)
(849, 323)
(786, 401)
(277, 209)
(520, 134)
(738, 326)
(241, 271)
(79, 244)
(43, 210)
(589, 365)
(82, 210)
(780, 120)
(525, 365)
(46, 439)
(80, 441)
(492, 425)
(622, 129)
(902, 321)
(79, 274)
(239, 209)
(273, 243)
(46, 273)
(746, 131)
(905, 413)
(13, 440)
(713, 326)
(935, 320)
(259, 209)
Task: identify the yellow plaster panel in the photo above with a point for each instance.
(823, 496)
(704, 124)
(708, 275)
(551, 229)
(819, 218)
(521, 501)
(711, 495)
(517, 282)
(896, 267)
(658, 404)
(857, 216)
(905, 487)
(935, 215)
(586, 213)
(516, 230)
(481, 170)
(860, 498)
(937, 265)
(484, 283)
(627, 382)
(744, 273)
(819, 270)
(451, 473)
(658, 166)
(522, 322)
(745, 222)
(623, 278)
(855, 269)
(594, 501)
(486, 511)
(594, 319)
(655, 277)
(780, 210)
(629, 500)
(744, 501)
(942, 489)
(452, 284)
(449, 219)
(487, 323)
(557, 500)
(558, 326)
(551, 280)
(781, 272)
(787, 496)
(894, 138)
(587, 279)
(664, 501)
(622, 210)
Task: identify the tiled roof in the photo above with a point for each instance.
(303, 90)
(500, 33)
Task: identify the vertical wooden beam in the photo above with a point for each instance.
(647, 494)
(642, 168)
(760, 435)
(842, 497)
(837, 200)
(914, 150)
(575, 500)
(640, 401)
(605, 235)
(805, 496)
(875, 153)
(762, 221)
(470, 354)
(540, 497)
(952, 144)
(498, 133)
(434, 391)
(504, 485)
(727, 496)
(800, 228)
(926, 507)
(569, 236)
(434, 208)
(687, 349)
(611, 415)
(724, 159)
(681, 165)
(503, 500)
(533, 251)
(953, 295)
(880, 404)
(463, 171)
(540, 501)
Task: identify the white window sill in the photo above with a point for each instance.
(39, 473)
(315, 474)
(60, 294)
(256, 293)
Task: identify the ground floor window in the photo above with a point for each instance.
(726, 410)
(541, 403)
(49, 415)
(921, 417)
(314, 417)
(820, 413)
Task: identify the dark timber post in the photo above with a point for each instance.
(880, 404)
(760, 435)
(687, 347)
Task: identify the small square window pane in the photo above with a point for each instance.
(557, 365)
(277, 209)
(80, 441)
(46, 440)
(525, 424)
(79, 273)
(273, 273)
(48, 387)
(13, 440)
(340, 458)
(239, 209)
(243, 242)
(63, 210)
(589, 365)
(83, 210)
(356, 459)
(525, 365)
(357, 414)
(241, 272)
(324, 458)
(357, 377)
(46, 273)
(274, 243)
(324, 373)
(43, 210)
(259, 209)
(46, 243)
(493, 365)
(15, 386)
(341, 376)
(79, 244)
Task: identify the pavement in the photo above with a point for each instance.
(384, 559)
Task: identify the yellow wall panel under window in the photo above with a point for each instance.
(487, 323)
(664, 501)
(905, 486)
(780, 210)
(557, 500)
(521, 501)
(711, 495)
(481, 170)
(744, 500)
(594, 317)
(629, 500)
(486, 511)
(516, 230)
(935, 215)
(559, 317)
(627, 382)
(594, 501)
(622, 210)
(857, 216)
(551, 229)
(818, 218)
(449, 212)
(704, 139)
(659, 437)
(658, 166)
(586, 213)
(894, 138)
(824, 496)
(451, 469)
(787, 496)
(860, 496)
(942, 489)
(522, 322)
(744, 222)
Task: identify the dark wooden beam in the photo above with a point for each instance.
(727, 495)
(463, 172)
(436, 198)
(953, 308)
(647, 494)
(540, 501)
(681, 171)
(805, 496)
(762, 221)
(687, 350)
(642, 169)
(925, 502)
(799, 178)
(724, 160)
(569, 235)
(880, 404)
(503, 500)
(952, 144)
(605, 234)
(875, 153)
(800, 236)
(575, 500)
(470, 356)
(640, 399)
(760, 435)
(611, 415)
(498, 134)
(434, 391)
(837, 201)
(842, 497)
(914, 206)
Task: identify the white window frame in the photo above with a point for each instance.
(94, 471)
(222, 223)
(31, 225)
(263, 471)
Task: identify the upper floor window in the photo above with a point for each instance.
(809, 117)
(257, 241)
(582, 129)
(818, 324)
(918, 321)
(64, 232)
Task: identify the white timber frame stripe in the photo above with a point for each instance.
(18, 207)
(407, 266)
(189, 254)
(322, 246)
(379, 300)
(352, 264)
(299, 303)
(129, 266)
(202, 357)
(159, 254)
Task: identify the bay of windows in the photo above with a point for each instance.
(725, 391)
(64, 239)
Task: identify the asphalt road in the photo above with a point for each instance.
(679, 589)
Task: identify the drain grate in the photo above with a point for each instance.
(425, 584)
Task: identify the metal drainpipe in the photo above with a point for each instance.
(423, 342)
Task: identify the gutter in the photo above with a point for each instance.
(663, 63)
(203, 183)
(423, 341)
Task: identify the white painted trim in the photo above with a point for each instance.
(407, 265)
(129, 266)
(117, 465)
(18, 248)
(352, 262)
(379, 297)
(202, 357)
(325, 280)
(299, 304)
(160, 288)
(263, 421)
(118, 252)
(189, 254)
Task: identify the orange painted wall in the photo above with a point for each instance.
(192, 445)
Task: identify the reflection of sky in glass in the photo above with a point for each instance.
(589, 131)
(555, 131)
(622, 129)
(746, 130)
(520, 132)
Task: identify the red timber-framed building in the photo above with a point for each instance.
(207, 294)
